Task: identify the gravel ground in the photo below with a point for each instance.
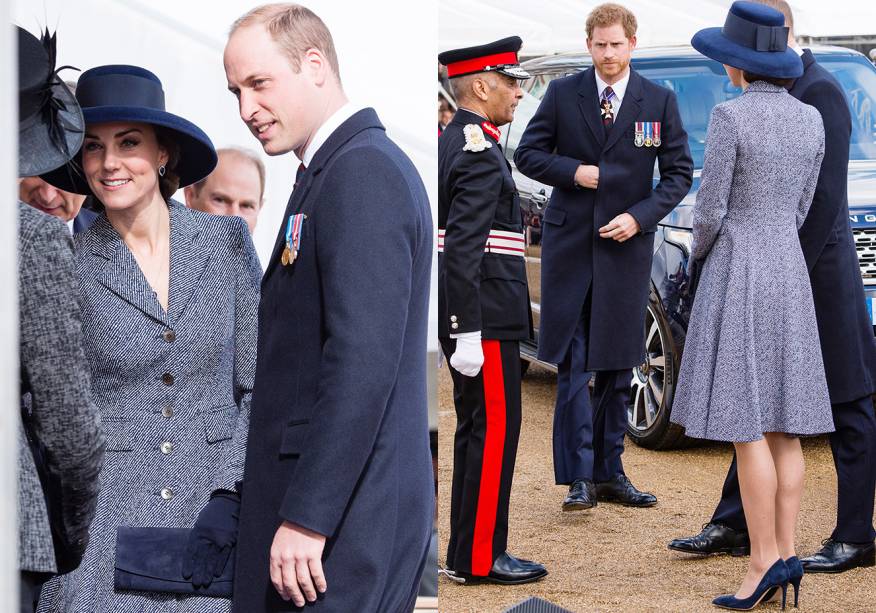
(615, 558)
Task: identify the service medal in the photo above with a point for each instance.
(640, 134)
(293, 238)
(657, 140)
(648, 134)
(285, 257)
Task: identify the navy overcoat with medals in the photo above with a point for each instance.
(567, 131)
(339, 440)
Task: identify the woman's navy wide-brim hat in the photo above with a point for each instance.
(132, 94)
(754, 38)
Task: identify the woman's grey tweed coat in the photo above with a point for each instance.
(752, 360)
(183, 377)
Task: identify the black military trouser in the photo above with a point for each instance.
(484, 451)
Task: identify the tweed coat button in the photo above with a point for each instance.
(167, 411)
(167, 379)
(454, 325)
(166, 447)
(169, 335)
(167, 493)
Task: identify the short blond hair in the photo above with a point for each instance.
(783, 7)
(609, 14)
(296, 29)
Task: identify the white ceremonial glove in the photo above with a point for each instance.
(469, 355)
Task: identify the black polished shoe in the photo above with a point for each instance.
(582, 496)
(507, 570)
(715, 538)
(620, 490)
(836, 557)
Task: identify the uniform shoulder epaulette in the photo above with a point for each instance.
(474, 138)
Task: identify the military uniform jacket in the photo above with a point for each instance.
(567, 131)
(479, 290)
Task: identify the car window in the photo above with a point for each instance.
(700, 84)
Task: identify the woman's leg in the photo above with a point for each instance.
(757, 483)
(788, 459)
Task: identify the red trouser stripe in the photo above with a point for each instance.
(494, 450)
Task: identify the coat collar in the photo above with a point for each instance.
(122, 274)
(358, 122)
(588, 103)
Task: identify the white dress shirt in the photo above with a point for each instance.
(325, 130)
(619, 88)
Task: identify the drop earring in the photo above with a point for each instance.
(161, 170)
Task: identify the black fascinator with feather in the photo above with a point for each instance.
(50, 125)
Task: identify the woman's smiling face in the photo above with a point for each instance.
(121, 161)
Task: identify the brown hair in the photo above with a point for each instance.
(752, 77)
(296, 29)
(606, 15)
(169, 183)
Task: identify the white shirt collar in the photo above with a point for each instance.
(70, 226)
(325, 130)
(620, 88)
(474, 113)
(798, 50)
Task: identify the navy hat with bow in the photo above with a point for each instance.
(754, 38)
(132, 94)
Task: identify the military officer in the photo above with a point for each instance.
(595, 138)
(483, 308)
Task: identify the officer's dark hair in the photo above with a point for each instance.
(752, 77)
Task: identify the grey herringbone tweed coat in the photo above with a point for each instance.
(173, 389)
(54, 369)
(752, 360)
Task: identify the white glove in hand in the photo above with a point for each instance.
(469, 355)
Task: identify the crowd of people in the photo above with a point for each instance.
(198, 435)
(779, 343)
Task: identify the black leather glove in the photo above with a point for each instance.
(212, 539)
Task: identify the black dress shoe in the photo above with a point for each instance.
(507, 570)
(715, 538)
(582, 496)
(836, 557)
(620, 490)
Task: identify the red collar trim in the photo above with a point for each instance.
(492, 130)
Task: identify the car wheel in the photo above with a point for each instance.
(653, 387)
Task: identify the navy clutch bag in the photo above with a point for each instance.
(150, 559)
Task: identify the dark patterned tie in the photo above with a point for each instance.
(606, 108)
(301, 169)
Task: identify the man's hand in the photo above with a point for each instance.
(296, 563)
(469, 355)
(620, 228)
(587, 176)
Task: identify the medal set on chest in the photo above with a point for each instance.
(647, 134)
(293, 238)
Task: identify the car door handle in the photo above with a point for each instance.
(540, 199)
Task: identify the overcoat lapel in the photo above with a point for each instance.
(361, 120)
(188, 259)
(588, 102)
(121, 274)
(629, 110)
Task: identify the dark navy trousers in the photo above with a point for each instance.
(854, 453)
(589, 433)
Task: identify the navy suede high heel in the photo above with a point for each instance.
(795, 575)
(776, 577)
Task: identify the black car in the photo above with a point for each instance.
(700, 84)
